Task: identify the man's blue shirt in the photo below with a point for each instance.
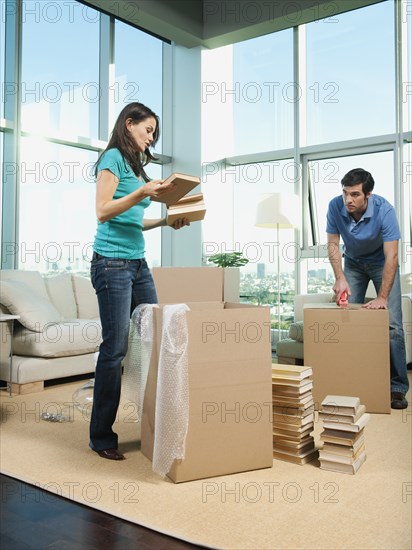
(363, 240)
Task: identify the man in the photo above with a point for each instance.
(370, 232)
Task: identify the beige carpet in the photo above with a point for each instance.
(285, 507)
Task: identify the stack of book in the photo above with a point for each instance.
(179, 204)
(344, 420)
(293, 414)
(191, 207)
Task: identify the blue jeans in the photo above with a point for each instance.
(120, 286)
(358, 276)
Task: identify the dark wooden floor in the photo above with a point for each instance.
(38, 520)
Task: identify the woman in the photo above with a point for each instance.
(119, 272)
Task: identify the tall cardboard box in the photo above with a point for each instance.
(230, 391)
(348, 350)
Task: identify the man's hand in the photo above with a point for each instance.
(341, 286)
(377, 303)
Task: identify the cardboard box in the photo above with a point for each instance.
(230, 385)
(176, 285)
(348, 350)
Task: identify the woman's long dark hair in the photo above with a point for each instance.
(121, 139)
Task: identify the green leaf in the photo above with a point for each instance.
(228, 259)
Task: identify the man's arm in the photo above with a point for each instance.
(390, 250)
(335, 258)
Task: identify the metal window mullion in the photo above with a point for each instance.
(344, 147)
(6, 125)
(398, 106)
(300, 125)
(401, 74)
(305, 196)
(12, 108)
(339, 153)
(252, 158)
(350, 145)
(106, 76)
(166, 242)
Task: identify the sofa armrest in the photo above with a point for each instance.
(296, 331)
(301, 299)
(407, 324)
(4, 309)
(5, 342)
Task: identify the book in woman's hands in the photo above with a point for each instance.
(191, 207)
(184, 184)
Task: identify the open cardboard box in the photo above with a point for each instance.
(230, 384)
(348, 350)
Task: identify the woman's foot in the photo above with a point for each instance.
(111, 454)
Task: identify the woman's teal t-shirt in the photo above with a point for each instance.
(122, 237)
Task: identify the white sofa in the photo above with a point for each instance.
(290, 350)
(58, 333)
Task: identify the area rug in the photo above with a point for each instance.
(284, 507)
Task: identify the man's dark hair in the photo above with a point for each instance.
(356, 176)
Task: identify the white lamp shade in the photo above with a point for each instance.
(278, 210)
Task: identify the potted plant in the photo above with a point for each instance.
(230, 262)
(228, 259)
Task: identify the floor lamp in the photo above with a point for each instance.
(280, 211)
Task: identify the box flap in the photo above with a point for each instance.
(199, 305)
(328, 305)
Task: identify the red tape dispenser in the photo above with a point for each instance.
(343, 300)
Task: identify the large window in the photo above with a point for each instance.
(2, 55)
(72, 88)
(57, 221)
(325, 176)
(1, 179)
(262, 93)
(60, 87)
(232, 194)
(138, 70)
(350, 89)
(407, 65)
(345, 76)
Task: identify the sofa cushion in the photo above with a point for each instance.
(407, 324)
(60, 290)
(296, 331)
(35, 310)
(33, 369)
(85, 296)
(289, 348)
(33, 279)
(406, 283)
(301, 299)
(70, 337)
